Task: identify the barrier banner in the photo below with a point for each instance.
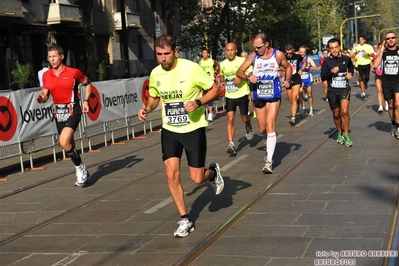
(22, 118)
(34, 119)
(114, 99)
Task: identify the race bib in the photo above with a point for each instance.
(339, 81)
(305, 75)
(230, 86)
(265, 89)
(391, 68)
(175, 114)
(62, 112)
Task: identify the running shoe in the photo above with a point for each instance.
(386, 106)
(267, 169)
(218, 182)
(380, 109)
(311, 112)
(347, 140)
(363, 95)
(249, 135)
(185, 227)
(326, 100)
(302, 112)
(82, 175)
(397, 132)
(292, 121)
(393, 130)
(231, 149)
(340, 140)
(210, 117)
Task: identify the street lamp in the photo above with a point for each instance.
(356, 7)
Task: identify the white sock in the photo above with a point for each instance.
(271, 145)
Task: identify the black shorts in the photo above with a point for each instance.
(364, 72)
(335, 97)
(295, 80)
(194, 144)
(262, 103)
(242, 102)
(389, 91)
(72, 122)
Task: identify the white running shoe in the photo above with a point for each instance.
(380, 109)
(363, 95)
(218, 182)
(231, 149)
(292, 121)
(185, 228)
(311, 112)
(267, 169)
(386, 106)
(249, 134)
(210, 117)
(82, 175)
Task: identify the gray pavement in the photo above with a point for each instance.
(337, 199)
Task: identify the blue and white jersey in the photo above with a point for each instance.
(267, 71)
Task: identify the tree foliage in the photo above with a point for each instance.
(300, 22)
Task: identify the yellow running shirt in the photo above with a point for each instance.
(228, 70)
(362, 54)
(208, 66)
(175, 87)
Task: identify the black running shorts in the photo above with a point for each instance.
(231, 104)
(335, 97)
(194, 144)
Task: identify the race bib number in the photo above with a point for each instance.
(293, 67)
(391, 68)
(305, 75)
(62, 112)
(175, 114)
(265, 89)
(230, 86)
(339, 81)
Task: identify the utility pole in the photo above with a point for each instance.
(124, 42)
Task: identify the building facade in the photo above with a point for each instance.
(123, 32)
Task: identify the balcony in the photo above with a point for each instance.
(132, 20)
(62, 13)
(11, 8)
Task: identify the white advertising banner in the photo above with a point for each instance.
(34, 119)
(114, 99)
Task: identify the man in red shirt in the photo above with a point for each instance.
(62, 83)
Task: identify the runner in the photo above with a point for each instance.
(266, 92)
(378, 79)
(364, 52)
(325, 53)
(307, 81)
(296, 81)
(210, 66)
(236, 95)
(388, 57)
(61, 82)
(179, 82)
(337, 70)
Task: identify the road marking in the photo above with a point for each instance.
(159, 205)
(233, 162)
(71, 258)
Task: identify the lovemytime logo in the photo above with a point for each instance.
(8, 119)
(94, 104)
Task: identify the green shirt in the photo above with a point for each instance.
(228, 70)
(175, 87)
(363, 54)
(208, 66)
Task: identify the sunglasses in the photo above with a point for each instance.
(258, 47)
(390, 38)
(289, 53)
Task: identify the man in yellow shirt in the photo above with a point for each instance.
(364, 53)
(237, 91)
(179, 83)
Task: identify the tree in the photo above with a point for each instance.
(86, 7)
